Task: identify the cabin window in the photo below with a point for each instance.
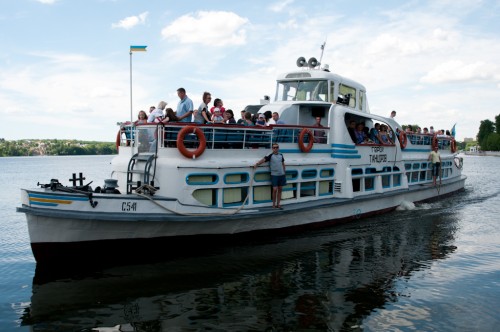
(422, 175)
(347, 95)
(361, 100)
(414, 177)
(332, 91)
(407, 166)
(356, 185)
(236, 178)
(386, 181)
(302, 90)
(307, 189)
(326, 173)
(289, 191)
(371, 170)
(309, 173)
(262, 177)
(416, 166)
(357, 171)
(325, 188)
(234, 196)
(370, 183)
(262, 194)
(396, 180)
(206, 196)
(292, 175)
(202, 179)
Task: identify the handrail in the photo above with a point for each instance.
(222, 136)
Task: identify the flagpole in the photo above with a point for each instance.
(131, 116)
(133, 49)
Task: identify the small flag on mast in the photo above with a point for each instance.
(453, 130)
(138, 48)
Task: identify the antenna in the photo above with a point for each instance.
(322, 50)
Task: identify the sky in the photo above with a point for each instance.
(65, 66)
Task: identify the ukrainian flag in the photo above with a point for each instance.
(138, 48)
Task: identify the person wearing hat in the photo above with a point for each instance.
(261, 120)
(217, 116)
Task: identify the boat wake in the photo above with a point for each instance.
(405, 206)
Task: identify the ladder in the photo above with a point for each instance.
(138, 171)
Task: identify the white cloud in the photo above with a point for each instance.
(131, 21)
(280, 6)
(458, 71)
(211, 28)
(47, 2)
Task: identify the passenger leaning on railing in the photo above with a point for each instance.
(170, 116)
(229, 117)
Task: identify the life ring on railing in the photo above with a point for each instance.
(434, 141)
(302, 146)
(118, 139)
(201, 138)
(403, 139)
(453, 146)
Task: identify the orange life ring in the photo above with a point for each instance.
(453, 146)
(403, 139)
(434, 141)
(118, 139)
(201, 138)
(309, 146)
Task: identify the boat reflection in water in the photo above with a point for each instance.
(324, 280)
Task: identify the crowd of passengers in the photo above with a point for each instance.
(383, 134)
(379, 134)
(204, 114)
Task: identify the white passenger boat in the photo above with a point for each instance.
(191, 184)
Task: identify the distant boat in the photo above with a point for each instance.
(183, 183)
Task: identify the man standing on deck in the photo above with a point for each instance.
(278, 175)
(185, 107)
(435, 158)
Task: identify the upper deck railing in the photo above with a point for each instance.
(219, 136)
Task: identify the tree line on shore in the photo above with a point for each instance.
(54, 147)
(488, 137)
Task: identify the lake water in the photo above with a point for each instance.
(433, 268)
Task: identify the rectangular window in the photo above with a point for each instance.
(325, 188)
(262, 194)
(414, 177)
(386, 181)
(289, 191)
(396, 180)
(307, 189)
(356, 185)
(369, 183)
(234, 196)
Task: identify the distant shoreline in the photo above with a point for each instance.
(483, 153)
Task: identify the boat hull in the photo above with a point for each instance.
(77, 237)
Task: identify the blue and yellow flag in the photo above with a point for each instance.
(138, 48)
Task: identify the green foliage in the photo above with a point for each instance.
(54, 147)
(486, 128)
(497, 123)
(491, 143)
(488, 139)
